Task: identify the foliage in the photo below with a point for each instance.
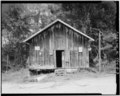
(16, 30)
(102, 16)
(21, 20)
(18, 22)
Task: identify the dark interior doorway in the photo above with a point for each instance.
(59, 58)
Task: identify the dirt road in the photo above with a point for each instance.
(104, 85)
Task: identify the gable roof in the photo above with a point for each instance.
(58, 20)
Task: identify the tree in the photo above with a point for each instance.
(21, 20)
(18, 22)
(16, 28)
(85, 16)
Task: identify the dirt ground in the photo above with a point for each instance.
(80, 82)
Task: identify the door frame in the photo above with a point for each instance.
(61, 58)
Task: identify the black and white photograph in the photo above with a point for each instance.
(59, 47)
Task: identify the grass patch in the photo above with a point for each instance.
(14, 76)
(22, 76)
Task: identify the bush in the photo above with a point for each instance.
(17, 56)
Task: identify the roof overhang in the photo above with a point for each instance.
(58, 20)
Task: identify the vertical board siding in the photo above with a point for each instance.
(80, 59)
(63, 59)
(82, 53)
(87, 53)
(73, 59)
(84, 58)
(59, 37)
(67, 59)
(71, 39)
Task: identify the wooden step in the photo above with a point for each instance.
(60, 72)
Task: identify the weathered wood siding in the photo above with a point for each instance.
(59, 37)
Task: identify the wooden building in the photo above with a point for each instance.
(58, 45)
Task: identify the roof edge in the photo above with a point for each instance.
(57, 20)
(40, 30)
(78, 31)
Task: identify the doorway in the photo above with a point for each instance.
(59, 58)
